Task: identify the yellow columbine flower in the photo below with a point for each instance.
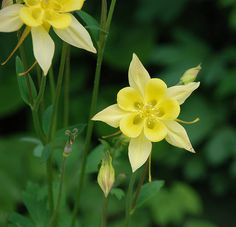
(147, 112)
(39, 16)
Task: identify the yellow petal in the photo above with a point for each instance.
(177, 136)
(155, 90)
(32, 2)
(154, 130)
(111, 115)
(32, 16)
(131, 125)
(139, 150)
(169, 109)
(76, 35)
(58, 20)
(129, 99)
(182, 92)
(71, 5)
(138, 75)
(9, 18)
(43, 47)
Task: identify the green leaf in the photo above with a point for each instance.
(170, 206)
(197, 223)
(22, 83)
(38, 150)
(118, 193)
(46, 152)
(46, 120)
(148, 191)
(221, 147)
(20, 221)
(91, 24)
(35, 200)
(95, 158)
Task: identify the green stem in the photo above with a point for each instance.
(140, 184)
(53, 125)
(101, 47)
(66, 90)
(104, 212)
(129, 199)
(54, 220)
(52, 83)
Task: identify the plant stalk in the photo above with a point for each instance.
(105, 25)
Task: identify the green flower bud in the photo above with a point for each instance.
(190, 75)
(106, 175)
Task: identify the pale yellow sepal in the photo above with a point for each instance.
(111, 115)
(138, 75)
(9, 18)
(177, 136)
(182, 92)
(139, 151)
(43, 47)
(76, 35)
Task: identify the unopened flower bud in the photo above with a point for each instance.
(67, 150)
(106, 175)
(190, 75)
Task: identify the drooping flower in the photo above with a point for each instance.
(39, 16)
(147, 112)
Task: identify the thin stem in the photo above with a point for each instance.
(104, 212)
(54, 124)
(150, 168)
(129, 199)
(66, 90)
(101, 47)
(52, 83)
(140, 184)
(54, 220)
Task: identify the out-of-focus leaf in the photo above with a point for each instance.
(209, 116)
(119, 51)
(199, 223)
(195, 169)
(36, 203)
(47, 115)
(95, 158)
(20, 221)
(221, 146)
(170, 206)
(148, 191)
(38, 150)
(118, 193)
(159, 9)
(23, 83)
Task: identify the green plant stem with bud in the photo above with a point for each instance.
(54, 219)
(105, 26)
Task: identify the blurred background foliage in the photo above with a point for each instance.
(169, 37)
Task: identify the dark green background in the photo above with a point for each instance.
(169, 37)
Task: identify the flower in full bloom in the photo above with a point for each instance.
(147, 111)
(39, 16)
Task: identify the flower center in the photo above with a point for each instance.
(149, 110)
